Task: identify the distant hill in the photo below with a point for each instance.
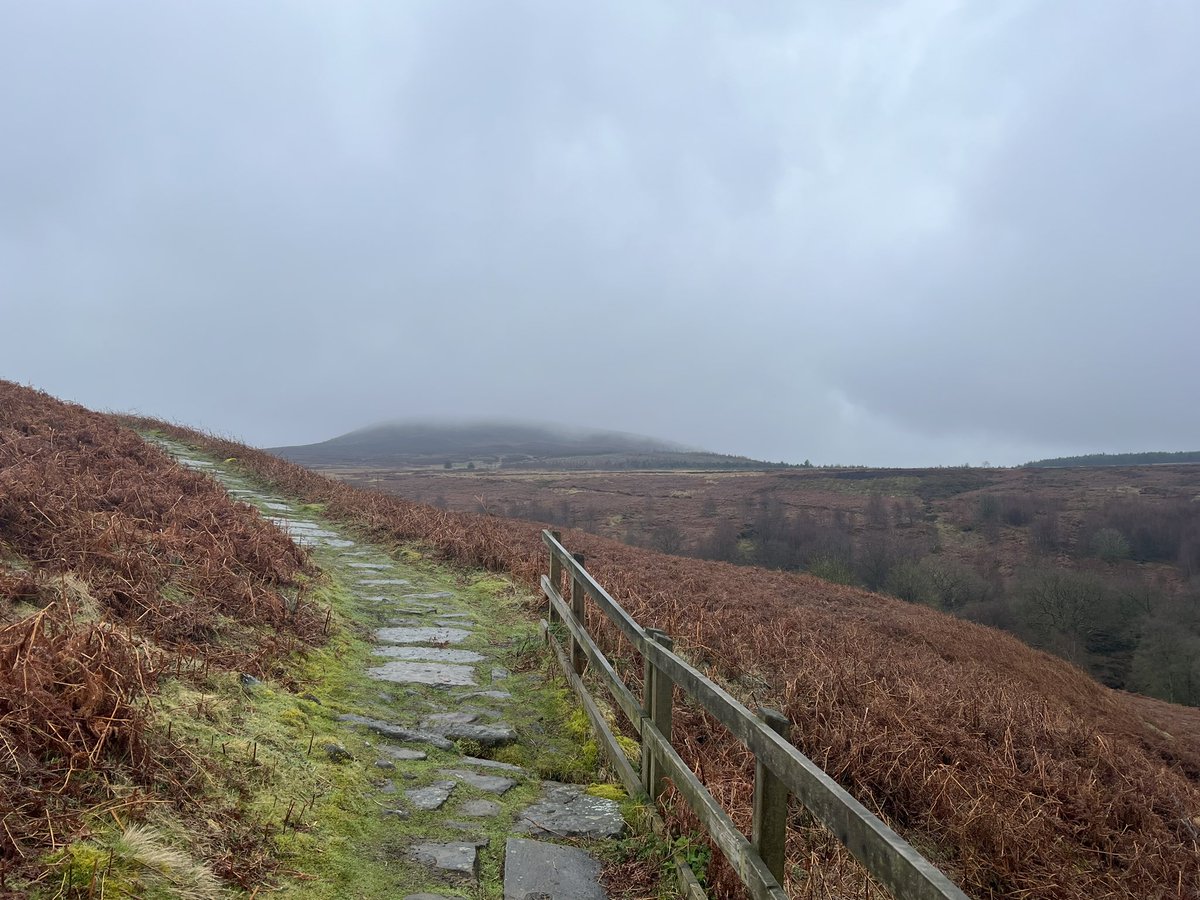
(506, 445)
(1117, 459)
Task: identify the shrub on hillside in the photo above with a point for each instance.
(1109, 545)
(1167, 664)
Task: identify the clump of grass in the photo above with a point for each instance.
(135, 861)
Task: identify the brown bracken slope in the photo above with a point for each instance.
(118, 567)
(1017, 772)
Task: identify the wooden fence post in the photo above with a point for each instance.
(555, 576)
(578, 659)
(769, 830)
(658, 691)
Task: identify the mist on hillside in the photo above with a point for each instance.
(506, 444)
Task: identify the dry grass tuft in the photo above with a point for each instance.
(169, 867)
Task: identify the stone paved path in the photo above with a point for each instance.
(446, 704)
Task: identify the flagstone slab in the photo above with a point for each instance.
(445, 719)
(455, 857)
(490, 784)
(487, 735)
(549, 872)
(432, 796)
(421, 634)
(440, 674)
(480, 809)
(491, 764)
(404, 754)
(397, 732)
(431, 654)
(564, 810)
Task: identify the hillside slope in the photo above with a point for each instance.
(119, 569)
(1022, 775)
(1148, 458)
(1009, 548)
(502, 444)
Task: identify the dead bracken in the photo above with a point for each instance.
(118, 568)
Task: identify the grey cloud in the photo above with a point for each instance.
(915, 234)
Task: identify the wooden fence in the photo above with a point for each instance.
(780, 771)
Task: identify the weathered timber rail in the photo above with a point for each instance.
(780, 771)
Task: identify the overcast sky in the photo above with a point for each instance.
(922, 232)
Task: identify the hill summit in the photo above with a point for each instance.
(504, 444)
(432, 443)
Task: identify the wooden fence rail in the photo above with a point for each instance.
(781, 770)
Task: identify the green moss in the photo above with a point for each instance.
(608, 792)
(633, 750)
(488, 586)
(513, 754)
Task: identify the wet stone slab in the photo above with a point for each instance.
(403, 754)
(491, 764)
(480, 809)
(432, 796)
(444, 674)
(397, 732)
(421, 634)
(489, 784)
(301, 530)
(433, 595)
(434, 654)
(455, 857)
(368, 582)
(444, 719)
(564, 810)
(549, 872)
(487, 735)
(378, 567)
